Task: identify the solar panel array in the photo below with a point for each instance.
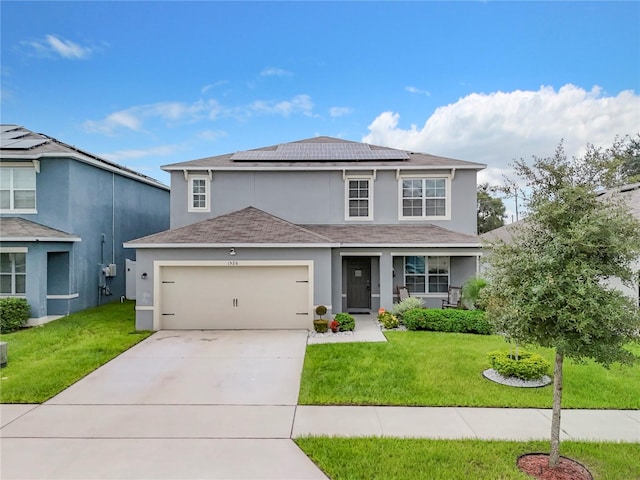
(12, 137)
(311, 152)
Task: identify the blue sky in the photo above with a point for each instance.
(151, 83)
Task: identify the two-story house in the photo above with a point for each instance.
(64, 215)
(259, 238)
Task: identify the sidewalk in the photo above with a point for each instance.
(455, 422)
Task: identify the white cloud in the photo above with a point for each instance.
(171, 113)
(298, 104)
(208, 87)
(418, 91)
(499, 127)
(211, 135)
(340, 111)
(132, 154)
(56, 46)
(275, 72)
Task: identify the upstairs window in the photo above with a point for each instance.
(13, 273)
(17, 190)
(424, 198)
(199, 194)
(426, 274)
(358, 196)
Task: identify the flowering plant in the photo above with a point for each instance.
(334, 326)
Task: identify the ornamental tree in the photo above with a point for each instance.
(549, 286)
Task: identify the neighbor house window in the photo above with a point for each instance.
(426, 274)
(424, 198)
(359, 199)
(17, 189)
(13, 273)
(198, 194)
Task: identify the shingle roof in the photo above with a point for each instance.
(249, 225)
(323, 153)
(13, 229)
(19, 143)
(426, 234)
(254, 226)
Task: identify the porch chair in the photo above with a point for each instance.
(403, 292)
(454, 298)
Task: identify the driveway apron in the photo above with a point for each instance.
(179, 405)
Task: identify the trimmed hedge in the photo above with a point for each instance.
(346, 321)
(447, 320)
(528, 366)
(14, 313)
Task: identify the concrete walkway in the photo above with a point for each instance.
(458, 423)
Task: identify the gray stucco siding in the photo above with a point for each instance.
(318, 197)
(146, 258)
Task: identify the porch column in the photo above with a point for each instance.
(386, 280)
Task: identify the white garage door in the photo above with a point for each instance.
(238, 297)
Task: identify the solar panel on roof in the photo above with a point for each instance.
(7, 127)
(13, 134)
(19, 144)
(306, 152)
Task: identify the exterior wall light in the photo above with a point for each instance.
(144, 276)
(232, 251)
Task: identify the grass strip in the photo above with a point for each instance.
(445, 369)
(416, 459)
(45, 360)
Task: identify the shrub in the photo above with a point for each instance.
(388, 320)
(321, 310)
(321, 325)
(448, 320)
(346, 321)
(471, 293)
(334, 326)
(14, 313)
(528, 366)
(409, 303)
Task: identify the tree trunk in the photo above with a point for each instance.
(554, 456)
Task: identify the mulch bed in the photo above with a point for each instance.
(537, 466)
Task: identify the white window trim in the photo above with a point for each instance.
(207, 193)
(426, 293)
(13, 274)
(347, 179)
(21, 211)
(447, 207)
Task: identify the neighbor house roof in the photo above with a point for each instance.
(323, 153)
(629, 194)
(15, 229)
(253, 227)
(19, 143)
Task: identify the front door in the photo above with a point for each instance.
(358, 283)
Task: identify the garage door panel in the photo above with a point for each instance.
(251, 297)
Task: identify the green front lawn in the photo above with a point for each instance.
(45, 360)
(415, 459)
(445, 369)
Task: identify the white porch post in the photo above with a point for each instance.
(386, 280)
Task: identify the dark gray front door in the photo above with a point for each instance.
(358, 283)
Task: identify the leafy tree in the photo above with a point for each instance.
(548, 286)
(620, 162)
(490, 209)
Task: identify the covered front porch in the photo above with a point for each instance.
(366, 280)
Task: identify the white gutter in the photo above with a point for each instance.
(40, 239)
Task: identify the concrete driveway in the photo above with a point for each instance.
(179, 405)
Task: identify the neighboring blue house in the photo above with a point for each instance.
(64, 215)
(259, 238)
